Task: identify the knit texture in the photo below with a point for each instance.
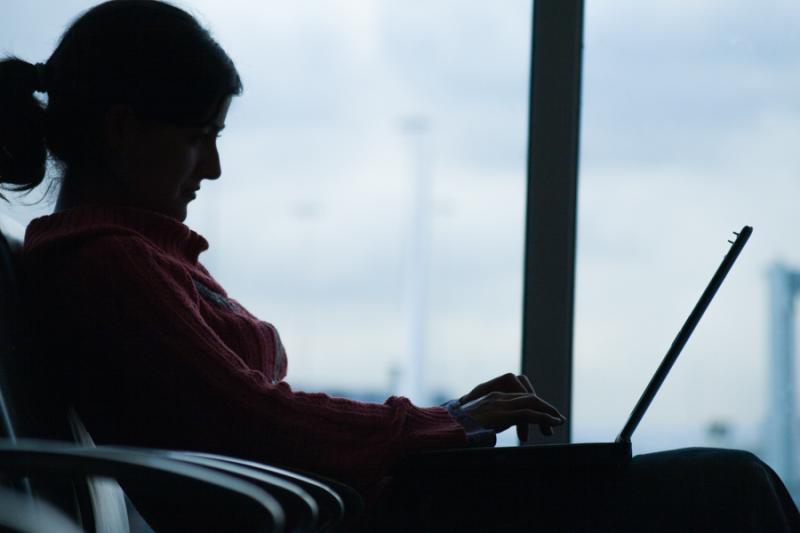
(157, 354)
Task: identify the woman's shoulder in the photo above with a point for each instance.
(104, 232)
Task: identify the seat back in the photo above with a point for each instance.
(97, 503)
(10, 247)
(27, 399)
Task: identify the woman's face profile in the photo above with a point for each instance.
(161, 165)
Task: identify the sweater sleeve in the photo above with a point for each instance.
(151, 372)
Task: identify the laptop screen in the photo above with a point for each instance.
(683, 335)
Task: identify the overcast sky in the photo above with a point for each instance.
(689, 131)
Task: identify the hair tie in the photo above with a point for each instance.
(41, 77)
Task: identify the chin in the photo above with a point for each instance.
(177, 209)
(177, 212)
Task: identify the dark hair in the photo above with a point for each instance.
(147, 54)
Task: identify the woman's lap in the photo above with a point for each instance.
(705, 489)
(694, 489)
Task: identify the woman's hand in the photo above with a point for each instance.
(510, 400)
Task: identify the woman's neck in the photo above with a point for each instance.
(89, 190)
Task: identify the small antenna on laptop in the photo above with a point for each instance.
(683, 335)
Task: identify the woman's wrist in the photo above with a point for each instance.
(477, 435)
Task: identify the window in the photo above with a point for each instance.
(689, 131)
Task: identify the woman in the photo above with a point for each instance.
(155, 352)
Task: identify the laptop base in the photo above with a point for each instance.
(565, 457)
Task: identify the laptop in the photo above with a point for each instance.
(576, 457)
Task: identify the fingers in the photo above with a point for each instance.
(498, 411)
(505, 383)
(514, 393)
(522, 378)
(538, 404)
(527, 416)
(522, 432)
(531, 401)
(546, 430)
(522, 429)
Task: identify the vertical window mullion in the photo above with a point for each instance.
(553, 134)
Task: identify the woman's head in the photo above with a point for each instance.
(123, 71)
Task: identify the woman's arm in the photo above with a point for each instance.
(150, 371)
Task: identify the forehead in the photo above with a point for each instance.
(218, 120)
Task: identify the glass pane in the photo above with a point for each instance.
(690, 126)
(372, 198)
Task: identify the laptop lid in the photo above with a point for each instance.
(683, 335)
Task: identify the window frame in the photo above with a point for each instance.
(551, 205)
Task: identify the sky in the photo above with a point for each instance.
(689, 127)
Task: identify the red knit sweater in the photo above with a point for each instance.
(159, 356)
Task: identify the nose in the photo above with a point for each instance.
(210, 167)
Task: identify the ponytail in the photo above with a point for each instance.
(23, 149)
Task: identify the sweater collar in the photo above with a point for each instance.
(169, 234)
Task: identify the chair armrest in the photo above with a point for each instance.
(353, 502)
(300, 496)
(205, 499)
(333, 508)
(320, 508)
(336, 505)
(300, 507)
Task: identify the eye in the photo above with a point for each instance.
(204, 134)
(201, 134)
